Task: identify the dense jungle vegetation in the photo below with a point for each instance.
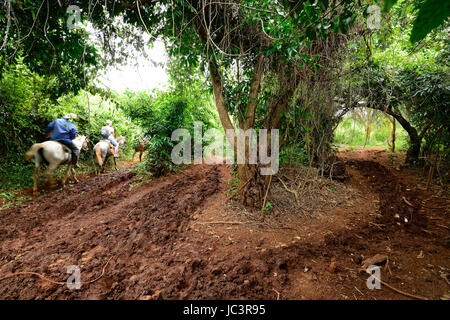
(325, 73)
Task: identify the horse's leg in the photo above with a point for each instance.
(115, 163)
(51, 168)
(35, 177)
(132, 158)
(74, 175)
(140, 155)
(104, 164)
(63, 181)
(38, 164)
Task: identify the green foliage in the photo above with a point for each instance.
(162, 112)
(429, 15)
(308, 124)
(432, 13)
(268, 206)
(26, 108)
(49, 48)
(351, 131)
(409, 80)
(388, 4)
(25, 105)
(171, 111)
(10, 199)
(296, 154)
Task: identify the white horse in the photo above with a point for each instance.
(104, 149)
(55, 154)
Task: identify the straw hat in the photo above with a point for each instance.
(71, 116)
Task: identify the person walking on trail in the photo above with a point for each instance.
(107, 133)
(64, 131)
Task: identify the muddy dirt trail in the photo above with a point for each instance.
(178, 237)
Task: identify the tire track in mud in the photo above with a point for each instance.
(77, 199)
(143, 234)
(255, 274)
(124, 228)
(392, 193)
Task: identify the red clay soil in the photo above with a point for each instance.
(178, 237)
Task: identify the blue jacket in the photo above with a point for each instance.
(63, 131)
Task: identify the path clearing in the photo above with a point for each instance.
(177, 238)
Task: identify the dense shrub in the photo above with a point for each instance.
(160, 113)
(26, 108)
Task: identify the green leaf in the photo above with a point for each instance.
(323, 4)
(432, 14)
(388, 4)
(311, 33)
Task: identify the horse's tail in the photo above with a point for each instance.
(98, 154)
(35, 148)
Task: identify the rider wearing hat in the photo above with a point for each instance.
(107, 133)
(64, 131)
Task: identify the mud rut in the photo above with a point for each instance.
(141, 239)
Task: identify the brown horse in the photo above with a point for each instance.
(139, 147)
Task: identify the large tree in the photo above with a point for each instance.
(37, 31)
(407, 81)
(244, 46)
(239, 43)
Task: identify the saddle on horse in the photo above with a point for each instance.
(66, 149)
(111, 147)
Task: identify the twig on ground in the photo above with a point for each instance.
(427, 207)
(131, 211)
(218, 222)
(407, 202)
(31, 273)
(265, 197)
(50, 280)
(359, 291)
(291, 191)
(278, 294)
(400, 291)
(282, 227)
(446, 279)
(238, 190)
(388, 267)
(379, 226)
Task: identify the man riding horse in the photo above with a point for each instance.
(64, 131)
(107, 133)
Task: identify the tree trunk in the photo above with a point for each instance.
(251, 183)
(252, 193)
(412, 154)
(368, 127)
(393, 135)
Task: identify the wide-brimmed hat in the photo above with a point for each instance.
(71, 116)
(108, 122)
